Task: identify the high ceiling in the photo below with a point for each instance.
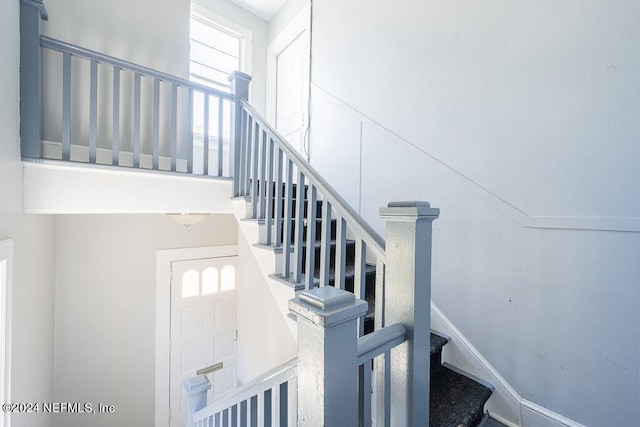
(265, 9)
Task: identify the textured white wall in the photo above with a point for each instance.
(264, 338)
(520, 123)
(105, 308)
(281, 19)
(33, 280)
(552, 87)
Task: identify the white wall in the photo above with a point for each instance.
(264, 338)
(33, 279)
(284, 16)
(105, 308)
(551, 87)
(520, 123)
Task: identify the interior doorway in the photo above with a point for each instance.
(288, 82)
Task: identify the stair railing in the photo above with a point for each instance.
(270, 399)
(188, 128)
(276, 179)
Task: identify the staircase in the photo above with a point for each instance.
(319, 239)
(455, 398)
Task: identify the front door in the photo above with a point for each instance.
(204, 295)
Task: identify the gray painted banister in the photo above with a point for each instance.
(380, 341)
(355, 220)
(60, 46)
(257, 393)
(166, 146)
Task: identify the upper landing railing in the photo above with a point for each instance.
(96, 108)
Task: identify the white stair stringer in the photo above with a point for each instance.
(505, 404)
(266, 259)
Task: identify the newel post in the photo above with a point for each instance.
(31, 12)
(240, 90)
(327, 356)
(408, 302)
(195, 390)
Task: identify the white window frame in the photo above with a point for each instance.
(244, 34)
(6, 278)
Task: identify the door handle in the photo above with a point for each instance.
(209, 369)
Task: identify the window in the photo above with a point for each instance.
(210, 281)
(6, 251)
(190, 284)
(213, 281)
(218, 47)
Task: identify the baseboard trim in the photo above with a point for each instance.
(506, 404)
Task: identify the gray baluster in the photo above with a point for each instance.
(298, 240)
(136, 120)
(325, 243)
(341, 252)
(156, 124)
(244, 152)
(220, 135)
(269, 192)
(205, 142)
(190, 134)
(115, 147)
(278, 198)
(93, 111)
(288, 220)
(254, 170)
(66, 106)
(311, 235)
(261, 180)
(173, 139)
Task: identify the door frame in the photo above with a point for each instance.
(299, 24)
(164, 258)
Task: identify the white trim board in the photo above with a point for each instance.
(6, 260)
(505, 405)
(164, 257)
(297, 26)
(54, 187)
(464, 184)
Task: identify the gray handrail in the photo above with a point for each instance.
(60, 46)
(266, 381)
(354, 219)
(380, 341)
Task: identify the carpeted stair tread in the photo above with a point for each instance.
(437, 342)
(455, 400)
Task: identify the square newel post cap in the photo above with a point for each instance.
(239, 76)
(196, 385)
(411, 210)
(39, 6)
(327, 306)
